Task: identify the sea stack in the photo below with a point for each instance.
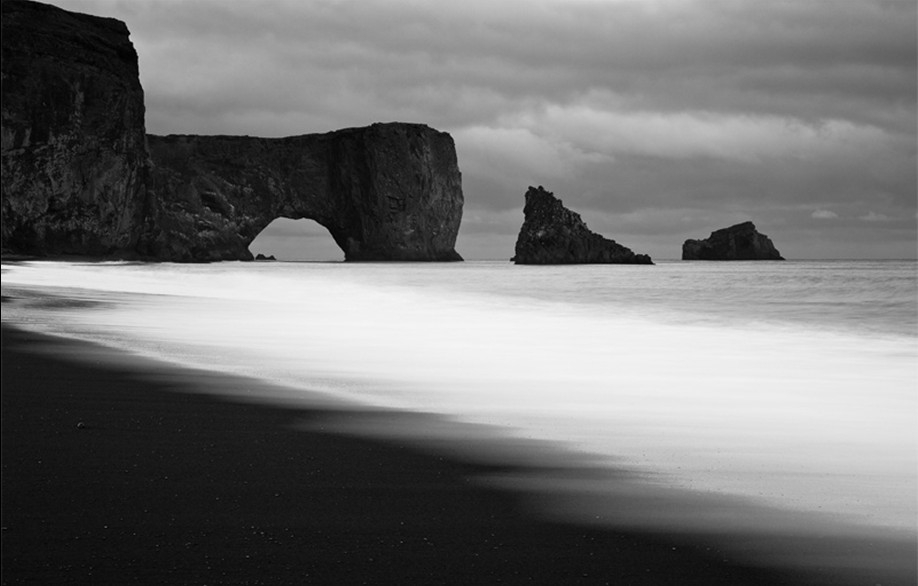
(82, 177)
(553, 234)
(739, 242)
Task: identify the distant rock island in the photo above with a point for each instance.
(81, 176)
(739, 242)
(553, 234)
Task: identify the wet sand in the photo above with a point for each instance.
(114, 476)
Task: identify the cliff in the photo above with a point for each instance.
(739, 242)
(384, 192)
(73, 154)
(553, 234)
(79, 178)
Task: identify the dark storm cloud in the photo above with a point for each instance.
(654, 118)
(672, 56)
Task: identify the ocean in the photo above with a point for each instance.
(790, 388)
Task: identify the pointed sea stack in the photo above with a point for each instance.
(739, 242)
(553, 234)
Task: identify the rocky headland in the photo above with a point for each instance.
(74, 159)
(80, 176)
(739, 242)
(553, 234)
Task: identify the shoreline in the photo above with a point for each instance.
(114, 476)
(551, 490)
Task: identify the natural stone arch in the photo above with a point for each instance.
(296, 239)
(384, 192)
(80, 176)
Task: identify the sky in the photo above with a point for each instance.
(655, 120)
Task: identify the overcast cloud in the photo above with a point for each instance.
(655, 120)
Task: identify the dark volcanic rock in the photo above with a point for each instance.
(78, 177)
(553, 234)
(73, 154)
(739, 242)
(384, 192)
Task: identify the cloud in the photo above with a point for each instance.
(460, 64)
(685, 134)
(824, 215)
(872, 216)
(517, 154)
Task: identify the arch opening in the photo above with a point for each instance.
(296, 240)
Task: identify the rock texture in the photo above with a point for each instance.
(553, 234)
(80, 178)
(384, 192)
(73, 139)
(739, 242)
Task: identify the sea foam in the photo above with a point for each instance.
(733, 397)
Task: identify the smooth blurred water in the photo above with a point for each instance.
(793, 384)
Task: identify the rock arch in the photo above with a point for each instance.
(296, 240)
(384, 192)
(81, 176)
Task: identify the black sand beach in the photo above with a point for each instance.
(130, 471)
(110, 478)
